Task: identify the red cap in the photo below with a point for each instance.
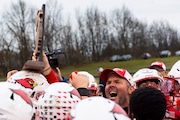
(119, 71)
(158, 63)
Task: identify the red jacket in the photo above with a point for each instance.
(173, 113)
(51, 78)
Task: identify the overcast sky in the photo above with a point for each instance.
(144, 10)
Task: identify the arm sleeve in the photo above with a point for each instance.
(64, 79)
(51, 78)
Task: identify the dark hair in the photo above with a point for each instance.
(152, 80)
(147, 103)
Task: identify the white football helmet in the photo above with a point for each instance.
(33, 82)
(145, 74)
(97, 108)
(175, 71)
(15, 104)
(58, 99)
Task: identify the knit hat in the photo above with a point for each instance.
(147, 103)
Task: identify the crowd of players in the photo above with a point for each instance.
(149, 94)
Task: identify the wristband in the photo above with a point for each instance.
(46, 69)
(83, 91)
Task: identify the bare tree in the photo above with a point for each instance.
(175, 40)
(122, 23)
(96, 32)
(82, 38)
(5, 51)
(71, 52)
(53, 25)
(18, 22)
(93, 37)
(161, 33)
(140, 41)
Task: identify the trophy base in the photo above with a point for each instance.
(34, 66)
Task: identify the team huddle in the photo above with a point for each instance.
(148, 94)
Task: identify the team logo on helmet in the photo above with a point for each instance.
(118, 109)
(76, 93)
(27, 83)
(23, 95)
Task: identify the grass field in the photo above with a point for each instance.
(132, 65)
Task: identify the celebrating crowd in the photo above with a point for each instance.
(149, 94)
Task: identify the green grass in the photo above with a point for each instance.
(3, 78)
(132, 65)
